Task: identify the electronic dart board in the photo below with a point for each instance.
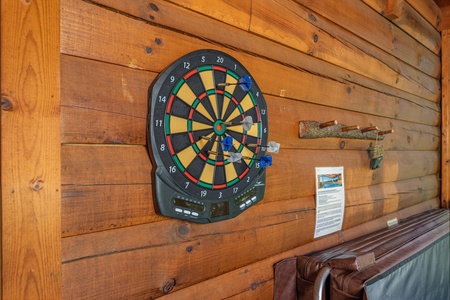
(207, 127)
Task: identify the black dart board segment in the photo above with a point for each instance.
(207, 133)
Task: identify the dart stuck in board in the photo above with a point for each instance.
(205, 111)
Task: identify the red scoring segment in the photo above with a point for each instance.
(220, 68)
(244, 173)
(193, 179)
(169, 144)
(169, 104)
(190, 74)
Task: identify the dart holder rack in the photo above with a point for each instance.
(316, 129)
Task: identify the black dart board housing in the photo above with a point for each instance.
(196, 106)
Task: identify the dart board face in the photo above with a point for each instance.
(207, 131)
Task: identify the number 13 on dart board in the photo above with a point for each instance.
(207, 133)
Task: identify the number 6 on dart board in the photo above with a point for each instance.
(207, 132)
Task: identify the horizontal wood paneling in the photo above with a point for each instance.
(78, 39)
(180, 19)
(91, 208)
(384, 198)
(81, 125)
(402, 14)
(96, 97)
(322, 39)
(246, 277)
(104, 87)
(84, 165)
(430, 10)
(171, 231)
(145, 270)
(311, 64)
(149, 268)
(360, 19)
(233, 12)
(96, 208)
(91, 181)
(92, 114)
(95, 165)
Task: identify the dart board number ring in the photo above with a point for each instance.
(206, 131)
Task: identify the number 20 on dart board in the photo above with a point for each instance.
(207, 133)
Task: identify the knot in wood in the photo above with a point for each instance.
(183, 229)
(153, 6)
(169, 285)
(6, 104)
(37, 184)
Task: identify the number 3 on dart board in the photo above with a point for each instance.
(207, 131)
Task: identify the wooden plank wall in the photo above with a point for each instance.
(445, 185)
(360, 62)
(30, 258)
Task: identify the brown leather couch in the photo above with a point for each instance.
(408, 261)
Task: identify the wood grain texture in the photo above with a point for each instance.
(91, 208)
(429, 10)
(445, 150)
(445, 18)
(92, 165)
(171, 231)
(143, 271)
(80, 125)
(104, 87)
(96, 110)
(99, 195)
(180, 19)
(180, 265)
(30, 150)
(115, 245)
(404, 77)
(98, 165)
(113, 108)
(296, 28)
(360, 19)
(247, 278)
(150, 268)
(233, 12)
(382, 198)
(402, 14)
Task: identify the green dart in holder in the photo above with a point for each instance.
(376, 155)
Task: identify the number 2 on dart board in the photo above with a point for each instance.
(207, 132)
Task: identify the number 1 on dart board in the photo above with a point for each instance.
(207, 133)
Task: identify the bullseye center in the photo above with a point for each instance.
(219, 127)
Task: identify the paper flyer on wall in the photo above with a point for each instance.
(330, 200)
